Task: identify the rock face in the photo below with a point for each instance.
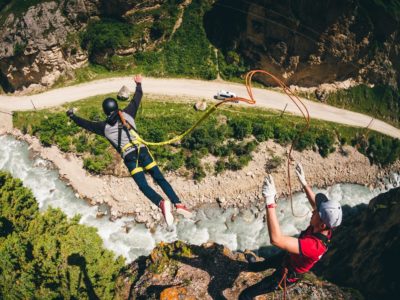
(39, 45)
(210, 271)
(366, 249)
(304, 42)
(308, 43)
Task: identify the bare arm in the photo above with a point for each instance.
(302, 178)
(287, 243)
(310, 195)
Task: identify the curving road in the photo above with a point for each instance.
(192, 88)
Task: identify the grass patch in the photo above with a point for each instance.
(231, 134)
(187, 53)
(380, 102)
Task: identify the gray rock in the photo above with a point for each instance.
(201, 105)
(321, 94)
(124, 93)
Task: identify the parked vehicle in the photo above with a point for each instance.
(222, 95)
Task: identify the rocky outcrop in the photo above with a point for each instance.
(40, 45)
(210, 271)
(124, 93)
(308, 43)
(366, 249)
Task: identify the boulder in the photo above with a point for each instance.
(321, 94)
(201, 105)
(124, 93)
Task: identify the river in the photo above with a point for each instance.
(234, 229)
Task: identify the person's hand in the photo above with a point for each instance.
(300, 174)
(70, 112)
(269, 190)
(138, 78)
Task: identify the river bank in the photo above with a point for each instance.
(240, 189)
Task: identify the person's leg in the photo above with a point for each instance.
(274, 261)
(267, 285)
(147, 190)
(148, 163)
(132, 163)
(165, 206)
(164, 184)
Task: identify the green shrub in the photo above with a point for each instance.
(305, 140)
(176, 161)
(379, 101)
(383, 150)
(274, 162)
(325, 143)
(199, 173)
(262, 131)
(106, 35)
(193, 161)
(241, 128)
(283, 133)
(97, 164)
(45, 255)
(220, 166)
(81, 143)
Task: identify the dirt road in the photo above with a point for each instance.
(192, 88)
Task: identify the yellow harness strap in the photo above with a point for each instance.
(150, 165)
(134, 143)
(136, 170)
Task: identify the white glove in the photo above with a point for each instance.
(269, 190)
(300, 174)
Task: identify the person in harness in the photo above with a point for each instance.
(117, 128)
(299, 254)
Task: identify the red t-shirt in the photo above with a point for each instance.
(311, 250)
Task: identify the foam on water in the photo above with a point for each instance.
(237, 230)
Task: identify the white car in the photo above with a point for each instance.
(222, 95)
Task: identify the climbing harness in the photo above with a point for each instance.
(124, 125)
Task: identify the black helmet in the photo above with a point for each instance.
(109, 105)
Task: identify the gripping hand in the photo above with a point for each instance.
(300, 174)
(269, 190)
(137, 78)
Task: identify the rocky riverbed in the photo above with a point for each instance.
(239, 189)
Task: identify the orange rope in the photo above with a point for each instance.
(295, 99)
(284, 276)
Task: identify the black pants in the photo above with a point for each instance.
(269, 283)
(143, 161)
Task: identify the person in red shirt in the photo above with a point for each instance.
(299, 254)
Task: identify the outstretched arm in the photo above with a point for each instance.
(95, 127)
(133, 106)
(287, 243)
(302, 178)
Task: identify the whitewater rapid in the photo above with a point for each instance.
(234, 229)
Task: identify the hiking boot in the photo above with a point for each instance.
(183, 210)
(166, 210)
